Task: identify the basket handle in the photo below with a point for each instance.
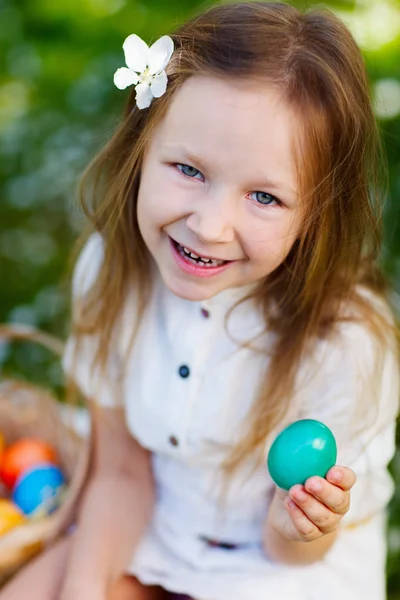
(66, 513)
(26, 332)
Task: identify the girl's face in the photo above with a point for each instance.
(219, 183)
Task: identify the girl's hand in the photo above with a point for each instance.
(308, 512)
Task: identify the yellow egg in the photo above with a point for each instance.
(10, 516)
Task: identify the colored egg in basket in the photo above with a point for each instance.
(23, 455)
(10, 516)
(39, 491)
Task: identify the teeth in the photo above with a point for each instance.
(206, 262)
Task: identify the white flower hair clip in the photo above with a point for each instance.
(145, 68)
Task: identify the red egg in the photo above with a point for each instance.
(22, 455)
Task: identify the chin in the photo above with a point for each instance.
(194, 293)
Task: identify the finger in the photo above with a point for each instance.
(319, 514)
(306, 529)
(333, 497)
(342, 477)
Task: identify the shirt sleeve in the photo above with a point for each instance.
(78, 360)
(353, 388)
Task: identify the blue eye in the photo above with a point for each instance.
(266, 199)
(188, 170)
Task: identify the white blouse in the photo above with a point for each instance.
(188, 386)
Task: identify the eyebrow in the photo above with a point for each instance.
(262, 182)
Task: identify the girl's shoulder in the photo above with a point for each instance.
(354, 372)
(365, 325)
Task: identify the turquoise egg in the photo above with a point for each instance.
(304, 449)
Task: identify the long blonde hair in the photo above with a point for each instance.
(314, 61)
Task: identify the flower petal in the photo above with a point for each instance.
(136, 53)
(144, 95)
(160, 53)
(159, 84)
(124, 77)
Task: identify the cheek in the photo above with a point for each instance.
(269, 246)
(150, 206)
(159, 202)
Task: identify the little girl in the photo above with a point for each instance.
(230, 286)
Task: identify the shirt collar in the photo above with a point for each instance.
(227, 298)
(221, 302)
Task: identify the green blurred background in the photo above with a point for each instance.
(58, 106)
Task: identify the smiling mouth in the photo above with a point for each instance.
(203, 261)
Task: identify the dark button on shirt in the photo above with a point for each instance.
(205, 313)
(184, 371)
(173, 441)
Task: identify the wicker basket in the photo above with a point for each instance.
(28, 410)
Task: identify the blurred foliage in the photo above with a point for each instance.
(58, 106)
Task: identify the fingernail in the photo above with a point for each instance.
(316, 486)
(300, 495)
(291, 504)
(335, 476)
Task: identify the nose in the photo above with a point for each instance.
(212, 221)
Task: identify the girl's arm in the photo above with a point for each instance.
(115, 510)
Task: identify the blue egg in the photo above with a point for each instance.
(38, 491)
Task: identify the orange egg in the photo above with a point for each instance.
(23, 455)
(10, 516)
